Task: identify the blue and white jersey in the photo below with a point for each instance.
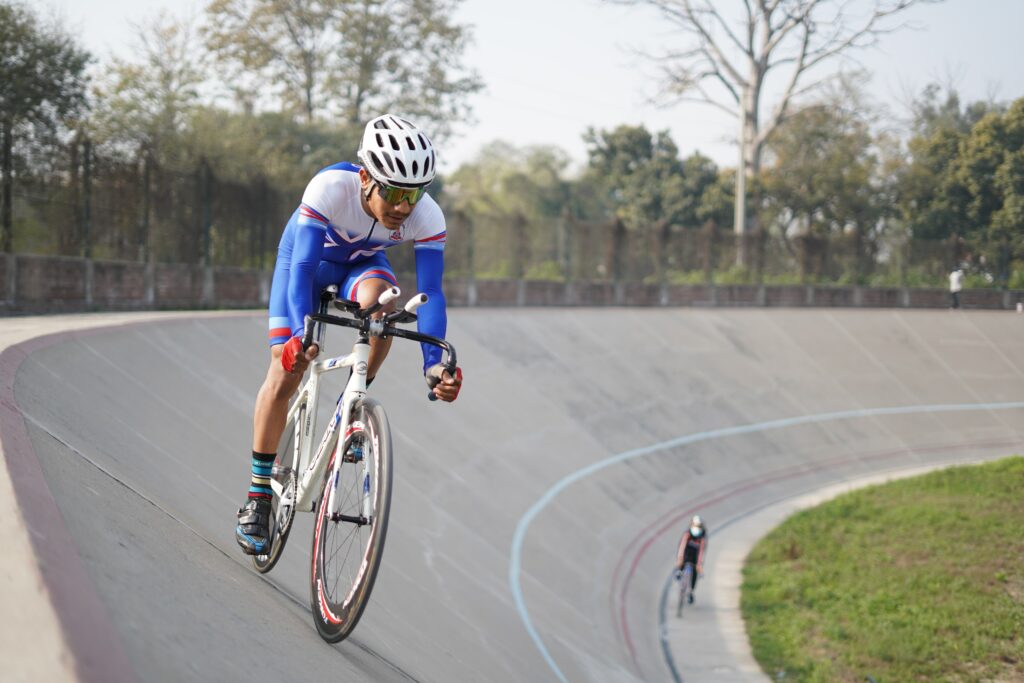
(332, 204)
(330, 237)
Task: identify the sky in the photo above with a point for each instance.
(553, 68)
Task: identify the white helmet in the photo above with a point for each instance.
(696, 526)
(395, 152)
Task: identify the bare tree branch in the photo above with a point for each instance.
(801, 34)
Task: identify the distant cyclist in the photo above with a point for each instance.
(348, 216)
(692, 548)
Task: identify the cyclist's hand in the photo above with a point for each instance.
(293, 359)
(443, 384)
(679, 575)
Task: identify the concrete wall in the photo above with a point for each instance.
(47, 284)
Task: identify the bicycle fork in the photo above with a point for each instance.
(354, 455)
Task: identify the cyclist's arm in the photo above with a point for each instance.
(681, 553)
(433, 316)
(307, 252)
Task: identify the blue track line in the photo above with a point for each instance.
(515, 560)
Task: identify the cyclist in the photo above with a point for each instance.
(348, 216)
(692, 548)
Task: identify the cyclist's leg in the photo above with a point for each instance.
(278, 386)
(365, 282)
(253, 528)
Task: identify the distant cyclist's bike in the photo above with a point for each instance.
(346, 480)
(685, 589)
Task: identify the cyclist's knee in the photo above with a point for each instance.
(370, 291)
(279, 385)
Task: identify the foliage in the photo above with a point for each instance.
(347, 59)
(640, 178)
(145, 105)
(505, 180)
(876, 582)
(991, 167)
(824, 175)
(42, 71)
(41, 67)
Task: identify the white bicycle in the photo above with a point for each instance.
(346, 480)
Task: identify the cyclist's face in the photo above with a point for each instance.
(391, 216)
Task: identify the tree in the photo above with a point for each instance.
(402, 55)
(932, 197)
(639, 174)
(283, 42)
(144, 106)
(824, 182)
(348, 57)
(733, 53)
(44, 82)
(991, 168)
(643, 182)
(514, 194)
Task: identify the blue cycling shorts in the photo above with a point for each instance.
(347, 276)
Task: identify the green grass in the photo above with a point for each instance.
(915, 580)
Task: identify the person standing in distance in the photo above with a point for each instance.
(349, 215)
(956, 284)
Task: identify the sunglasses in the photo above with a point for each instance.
(396, 195)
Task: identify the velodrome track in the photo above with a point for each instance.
(534, 521)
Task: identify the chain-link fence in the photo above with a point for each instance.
(564, 249)
(90, 205)
(85, 204)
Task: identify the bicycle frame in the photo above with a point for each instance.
(309, 466)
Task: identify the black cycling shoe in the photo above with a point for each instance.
(253, 530)
(689, 598)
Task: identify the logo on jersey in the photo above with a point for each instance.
(396, 235)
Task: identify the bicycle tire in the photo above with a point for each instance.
(339, 592)
(284, 473)
(684, 589)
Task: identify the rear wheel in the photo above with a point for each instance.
(348, 545)
(283, 503)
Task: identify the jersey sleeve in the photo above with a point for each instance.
(432, 316)
(308, 249)
(307, 252)
(316, 209)
(428, 245)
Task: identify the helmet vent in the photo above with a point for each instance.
(415, 169)
(426, 167)
(377, 163)
(408, 141)
(381, 124)
(394, 143)
(380, 140)
(391, 163)
(401, 166)
(423, 143)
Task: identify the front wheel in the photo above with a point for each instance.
(348, 543)
(684, 589)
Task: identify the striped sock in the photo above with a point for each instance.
(262, 464)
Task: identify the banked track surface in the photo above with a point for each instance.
(142, 436)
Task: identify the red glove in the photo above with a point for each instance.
(292, 349)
